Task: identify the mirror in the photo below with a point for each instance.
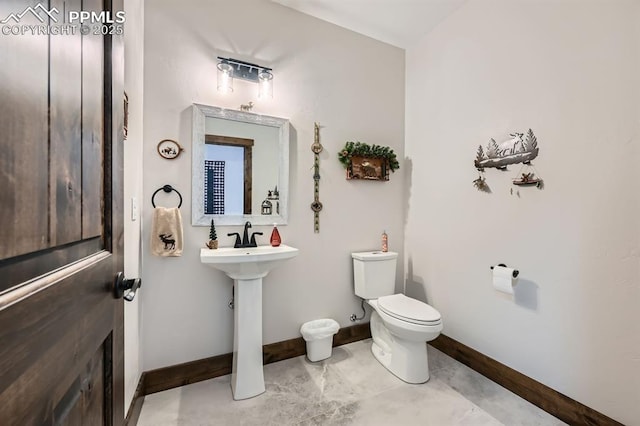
(240, 167)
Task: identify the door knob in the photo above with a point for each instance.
(122, 285)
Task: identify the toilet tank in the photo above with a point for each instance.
(374, 273)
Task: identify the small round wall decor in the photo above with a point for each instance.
(169, 149)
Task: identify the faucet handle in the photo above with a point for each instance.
(253, 239)
(237, 243)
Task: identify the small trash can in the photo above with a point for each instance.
(319, 337)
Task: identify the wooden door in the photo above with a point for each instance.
(61, 220)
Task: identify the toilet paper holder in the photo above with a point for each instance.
(515, 271)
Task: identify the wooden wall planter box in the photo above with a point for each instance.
(368, 168)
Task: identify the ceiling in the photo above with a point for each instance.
(396, 22)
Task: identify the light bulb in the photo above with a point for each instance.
(265, 85)
(225, 77)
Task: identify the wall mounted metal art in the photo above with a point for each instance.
(316, 206)
(518, 149)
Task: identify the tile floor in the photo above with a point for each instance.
(350, 388)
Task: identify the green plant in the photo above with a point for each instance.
(359, 149)
(212, 232)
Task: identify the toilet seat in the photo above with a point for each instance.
(407, 309)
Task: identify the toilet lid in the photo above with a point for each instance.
(408, 309)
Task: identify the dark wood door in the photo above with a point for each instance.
(61, 220)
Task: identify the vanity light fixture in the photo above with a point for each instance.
(229, 68)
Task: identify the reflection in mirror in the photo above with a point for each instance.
(240, 167)
(227, 175)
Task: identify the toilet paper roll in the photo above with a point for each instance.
(503, 279)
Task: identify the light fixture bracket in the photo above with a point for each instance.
(245, 70)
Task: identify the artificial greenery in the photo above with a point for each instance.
(212, 232)
(359, 149)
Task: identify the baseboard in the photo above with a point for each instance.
(136, 404)
(190, 372)
(352, 334)
(551, 401)
(208, 368)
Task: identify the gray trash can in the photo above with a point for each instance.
(319, 337)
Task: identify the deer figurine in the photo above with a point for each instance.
(246, 107)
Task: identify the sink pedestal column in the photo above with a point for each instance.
(247, 377)
(247, 267)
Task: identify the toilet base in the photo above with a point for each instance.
(406, 359)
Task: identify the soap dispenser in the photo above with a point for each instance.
(385, 242)
(275, 236)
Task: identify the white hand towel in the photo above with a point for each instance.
(166, 232)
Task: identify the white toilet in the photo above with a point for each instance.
(400, 325)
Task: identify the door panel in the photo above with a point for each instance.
(65, 91)
(23, 117)
(61, 330)
(83, 404)
(92, 129)
(53, 335)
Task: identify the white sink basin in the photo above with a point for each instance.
(247, 263)
(247, 267)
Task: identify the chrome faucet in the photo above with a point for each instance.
(246, 241)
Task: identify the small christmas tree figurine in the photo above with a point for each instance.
(213, 237)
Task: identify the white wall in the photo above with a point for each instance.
(570, 70)
(133, 83)
(352, 85)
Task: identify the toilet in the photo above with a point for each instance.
(400, 325)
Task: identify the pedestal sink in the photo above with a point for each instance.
(247, 267)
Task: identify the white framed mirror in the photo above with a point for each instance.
(240, 167)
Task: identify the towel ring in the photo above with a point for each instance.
(166, 188)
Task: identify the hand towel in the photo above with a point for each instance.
(166, 232)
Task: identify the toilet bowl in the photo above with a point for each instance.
(399, 344)
(400, 325)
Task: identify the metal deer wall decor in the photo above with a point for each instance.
(518, 149)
